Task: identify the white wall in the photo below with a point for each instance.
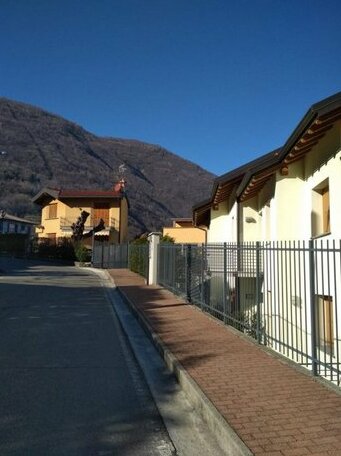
(223, 226)
(282, 211)
(290, 213)
(250, 221)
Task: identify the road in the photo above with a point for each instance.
(69, 382)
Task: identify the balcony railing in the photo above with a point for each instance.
(110, 224)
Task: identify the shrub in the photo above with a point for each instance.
(166, 239)
(63, 249)
(12, 243)
(82, 253)
(139, 254)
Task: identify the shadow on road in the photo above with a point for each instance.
(69, 384)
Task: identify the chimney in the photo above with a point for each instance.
(119, 186)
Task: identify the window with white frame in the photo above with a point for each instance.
(320, 215)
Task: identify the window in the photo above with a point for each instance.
(325, 323)
(100, 211)
(320, 216)
(325, 210)
(52, 211)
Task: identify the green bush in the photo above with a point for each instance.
(139, 254)
(82, 253)
(138, 257)
(166, 239)
(63, 249)
(13, 243)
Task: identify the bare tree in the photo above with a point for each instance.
(78, 227)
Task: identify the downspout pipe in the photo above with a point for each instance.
(238, 221)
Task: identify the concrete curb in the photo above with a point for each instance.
(226, 436)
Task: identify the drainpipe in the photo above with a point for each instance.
(238, 221)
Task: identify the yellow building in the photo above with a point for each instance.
(62, 207)
(183, 232)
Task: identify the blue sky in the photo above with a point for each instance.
(216, 82)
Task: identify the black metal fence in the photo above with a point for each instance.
(132, 256)
(105, 255)
(284, 294)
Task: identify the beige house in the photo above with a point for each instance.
(183, 232)
(287, 200)
(62, 207)
(288, 194)
(296, 198)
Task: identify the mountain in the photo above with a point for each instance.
(39, 149)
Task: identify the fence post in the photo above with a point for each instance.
(172, 256)
(102, 254)
(312, 307)
(128, 255)
(188, 272)
(202, 265)
(225, 284)
(93, 249)
(154, 240)
(258, 293)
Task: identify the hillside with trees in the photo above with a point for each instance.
(39, 149)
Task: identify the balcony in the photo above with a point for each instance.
(110, 224)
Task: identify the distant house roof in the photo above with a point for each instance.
(182, 219)
(13, 218)
(48, 194)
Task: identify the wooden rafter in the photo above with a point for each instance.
(336, 114)
(258, 181)
(307, 139)
(223, 191)
(310, 139)
(319, 129)
(306, 147)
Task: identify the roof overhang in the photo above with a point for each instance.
(246, 181)
(318, 120)
(226, 186)
(13, 218)
(202, 214)
(45, 196)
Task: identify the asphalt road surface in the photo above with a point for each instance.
(69, 382)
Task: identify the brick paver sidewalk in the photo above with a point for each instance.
(274, 408)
